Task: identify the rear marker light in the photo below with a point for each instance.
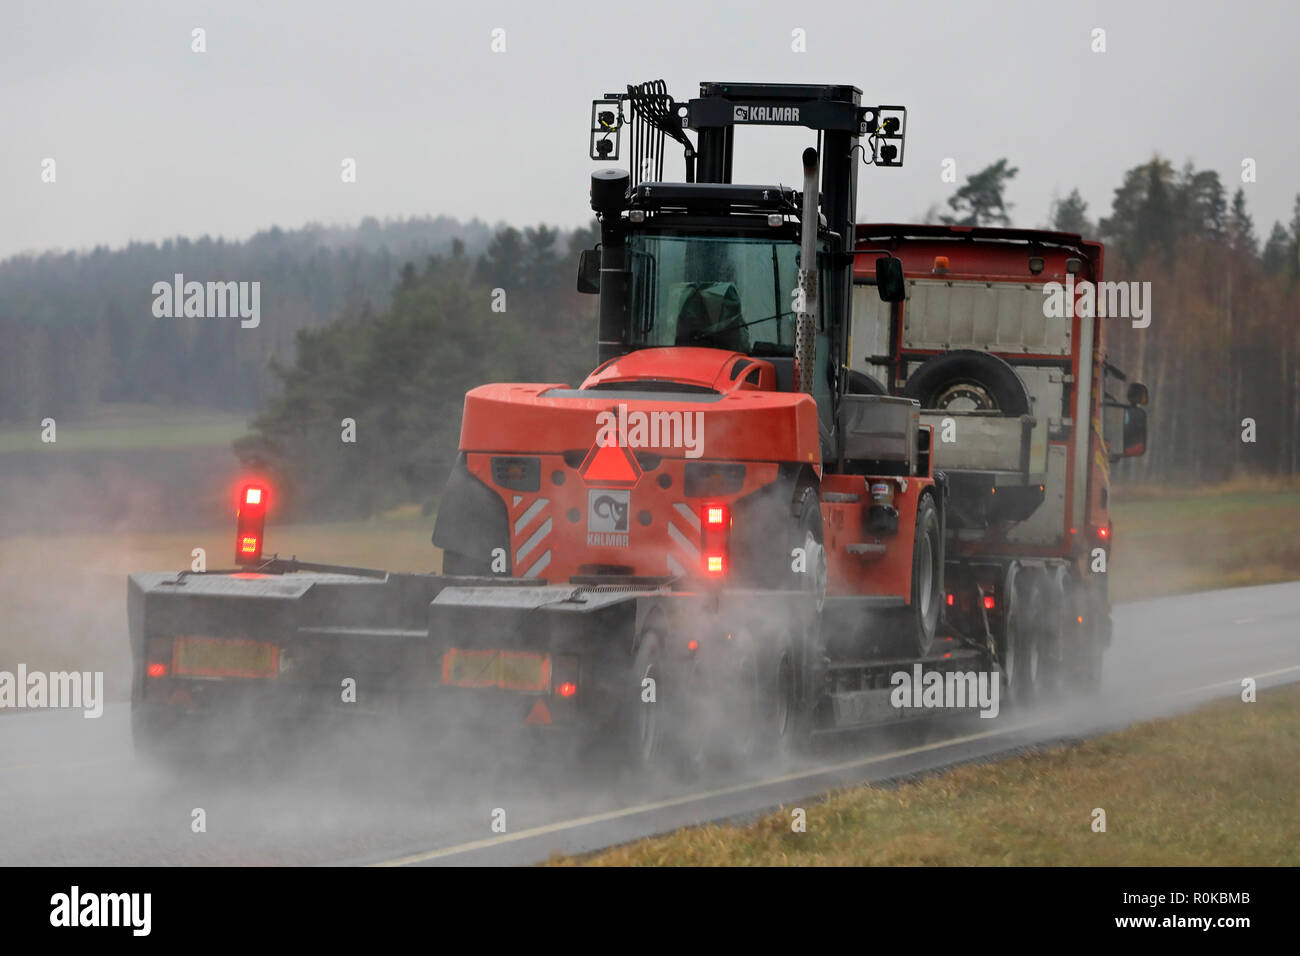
(715, 533)
(951, 599)
(692, 645)
(988, 602)
(156, 670)
(567, 689)
(250, 520)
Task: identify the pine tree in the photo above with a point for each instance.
(1070, 215)
(980, 201)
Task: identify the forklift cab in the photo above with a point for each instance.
(710, 263)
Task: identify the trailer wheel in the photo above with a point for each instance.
(968, 380)
(927, 577)
(1051, 655)
(1020, 648)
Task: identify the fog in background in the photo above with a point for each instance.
(152, 140)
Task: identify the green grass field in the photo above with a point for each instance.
(126, 431)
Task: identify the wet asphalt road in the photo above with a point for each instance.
(73, 793)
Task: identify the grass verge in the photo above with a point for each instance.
(1214, 787)
(1233, 535)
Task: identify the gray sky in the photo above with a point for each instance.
(152, 140)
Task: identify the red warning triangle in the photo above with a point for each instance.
(539, 714)
(610, 466)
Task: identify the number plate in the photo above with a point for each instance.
(224, 657)
(507, 670)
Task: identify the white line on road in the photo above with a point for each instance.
(754, 785)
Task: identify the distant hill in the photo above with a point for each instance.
(78, 328)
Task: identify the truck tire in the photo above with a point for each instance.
(650, 729)
(927, 578)
(759, 711)
(1019, 648)
(968, 379)
(770, 525)
(806, 511)
(456, 563)
(1051, 654)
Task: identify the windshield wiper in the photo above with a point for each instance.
(709, 333)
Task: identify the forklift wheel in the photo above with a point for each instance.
(927, 577)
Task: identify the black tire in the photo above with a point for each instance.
(807, 534)
(456, 563)
(1051, 655)
(965, 378)
(649, 730)
(758, 708)
(927, 578)
(860, 383)
(1021, 648)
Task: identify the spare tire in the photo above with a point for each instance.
(967, 380)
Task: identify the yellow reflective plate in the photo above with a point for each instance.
(507, 670)
(224, 657)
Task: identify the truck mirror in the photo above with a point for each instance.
(1137, 393)
(589, 271)
(889, 279)
(1135, 432)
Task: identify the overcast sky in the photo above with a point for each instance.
(152, 140)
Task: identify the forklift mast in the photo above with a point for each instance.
(835, 112)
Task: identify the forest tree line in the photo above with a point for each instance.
(389, 325)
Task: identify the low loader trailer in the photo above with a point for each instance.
(817, 461)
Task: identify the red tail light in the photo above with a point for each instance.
(951, 599)
(250, 520)
(716, 530)
(988, 602)
(156, 669)
(564, 677)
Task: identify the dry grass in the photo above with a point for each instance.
(1243, 533)
(1215, 787)
(63, 597)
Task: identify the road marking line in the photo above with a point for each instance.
(691, 798)
(742, 787)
